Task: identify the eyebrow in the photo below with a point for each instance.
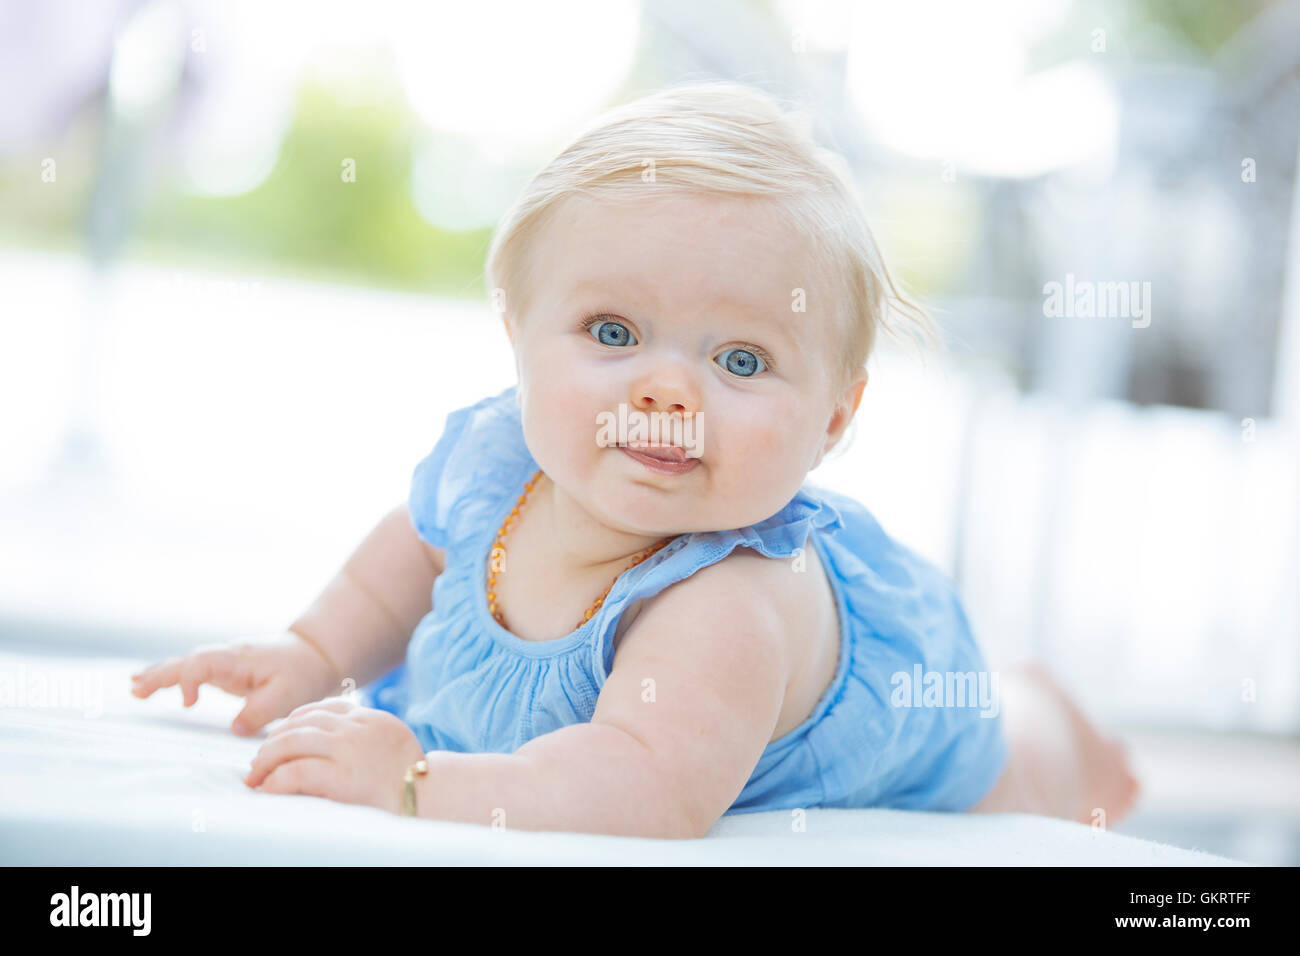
(780, 329)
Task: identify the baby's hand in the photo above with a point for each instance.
(338, 750)
(276, 676)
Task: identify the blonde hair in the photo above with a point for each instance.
(721, 138)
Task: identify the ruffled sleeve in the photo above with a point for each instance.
(783, 534)
(443, 474)
(429, 502)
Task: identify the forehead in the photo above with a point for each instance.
(677, 251)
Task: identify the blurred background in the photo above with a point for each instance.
(241, 250)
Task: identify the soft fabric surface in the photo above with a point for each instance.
(90, 775)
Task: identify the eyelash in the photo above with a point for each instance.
(597, 317)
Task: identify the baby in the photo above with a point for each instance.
(612, 604)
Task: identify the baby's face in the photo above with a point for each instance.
(694, 300)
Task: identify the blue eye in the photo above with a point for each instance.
(611, 333)
(742, 362)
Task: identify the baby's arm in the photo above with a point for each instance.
(690, 704)
(364, 618)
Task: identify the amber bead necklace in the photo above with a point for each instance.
(499, 553)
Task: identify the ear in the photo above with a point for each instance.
(845, 408)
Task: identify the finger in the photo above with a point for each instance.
(230, 668)
(338, 705)
(224, 667)
(300, 742)
(159, 675)
(322, 719)
(310, 775)
(269, 702)
(139, 672)
(195, 670)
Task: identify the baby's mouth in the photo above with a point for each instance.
(661, 459)
(671, 453)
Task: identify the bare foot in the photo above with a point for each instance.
(1105, 783)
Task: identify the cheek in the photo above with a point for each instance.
(765, 463)
(767, 440)
(763, 446)
(560, 422)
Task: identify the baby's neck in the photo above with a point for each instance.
(579, 543)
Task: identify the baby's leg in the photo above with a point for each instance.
(1059, 765)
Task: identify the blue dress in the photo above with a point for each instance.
(910, 720)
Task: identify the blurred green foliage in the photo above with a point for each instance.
(305, 216)
(302, 220)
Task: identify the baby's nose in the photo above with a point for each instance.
(672, 408)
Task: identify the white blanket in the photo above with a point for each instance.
(91, 775)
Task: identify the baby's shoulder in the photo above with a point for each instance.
(744, 579)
